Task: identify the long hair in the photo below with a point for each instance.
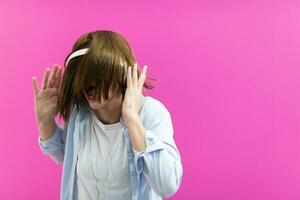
(101, 69)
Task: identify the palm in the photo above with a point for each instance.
(45, 101)
(133, 94)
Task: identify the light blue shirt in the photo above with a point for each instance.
(155, 173)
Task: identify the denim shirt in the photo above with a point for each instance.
(155, 173)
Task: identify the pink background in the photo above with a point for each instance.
(228, 73)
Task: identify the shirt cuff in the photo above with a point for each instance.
(52, 144)
(137, 153)
(152, 144)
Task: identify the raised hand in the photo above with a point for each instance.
(132, 100)
(45, 99)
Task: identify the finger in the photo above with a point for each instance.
(125, 70)
(125, 74)
(142, 78)
(129, 79)
(46, 77)
(58, 78)
(121, 62)
(135, 78)
(35, 86)
(53, 76)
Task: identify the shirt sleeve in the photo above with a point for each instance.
(160, 162)
(55, 145)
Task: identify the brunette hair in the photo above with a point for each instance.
(101, 68)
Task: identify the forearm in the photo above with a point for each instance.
(136, 132)
(46, 128)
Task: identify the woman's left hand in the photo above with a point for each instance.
(133, 94)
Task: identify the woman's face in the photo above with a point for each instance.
(113, 99)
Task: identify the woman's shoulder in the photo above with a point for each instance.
(152, 106)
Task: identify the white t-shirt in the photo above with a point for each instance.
(102, 170)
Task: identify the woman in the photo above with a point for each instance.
(116, 143)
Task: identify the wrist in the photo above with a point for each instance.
(44, 121)
(131, 118)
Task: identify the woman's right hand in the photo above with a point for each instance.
(45, 99)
